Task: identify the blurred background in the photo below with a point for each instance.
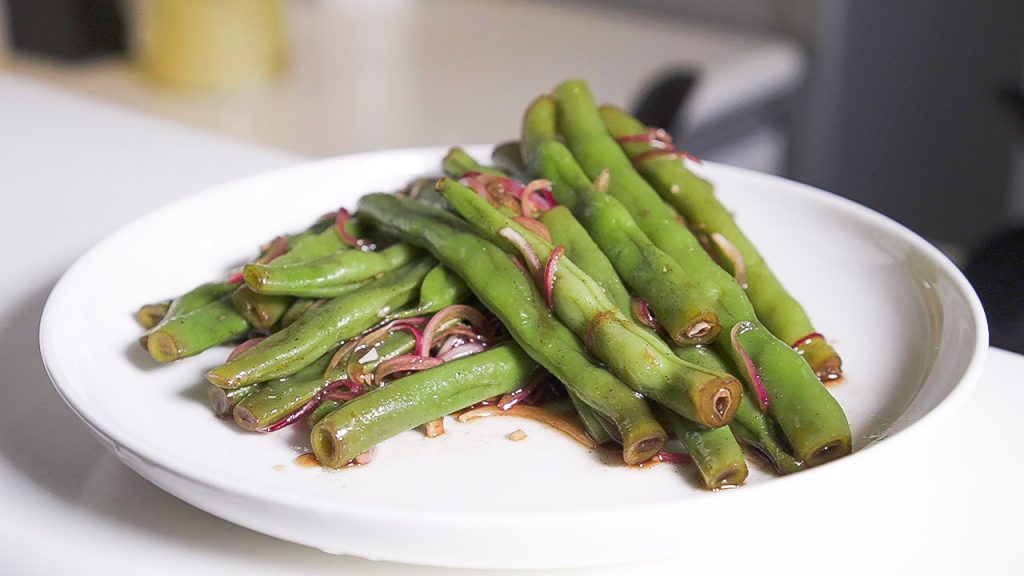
(913, 108)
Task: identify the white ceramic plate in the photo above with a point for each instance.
(910, 329)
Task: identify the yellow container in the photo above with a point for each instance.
(209, 43)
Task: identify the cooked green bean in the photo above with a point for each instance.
(750, 425)
(440, 288)
(195, 298)
(276, 399)
(513, 297)
(416, 399)
(189, 334)
(694, 198)
(313, 334)
(631, 351)
(681, 302)
(324, 277)
(808, 415)
(458, 163)
(581, 249)
(715, 451)
(223, 401)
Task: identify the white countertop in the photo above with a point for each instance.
(73, 170)
(378, 74)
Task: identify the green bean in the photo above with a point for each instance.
(296, 346)
(754, 428)
(694, 198)
(149, 315)
(596, 151)
(223, 401)
(276, 399)
(195, 298)
(262, 311)
(298, 307)
(416, 399)
(324, 276)
(507, 292)
(458, 163)
(715, 451)
(441, 288)
(591, 421)
(632, 352)
(680, 300)
(750, 426)
(581, 249)
(808, 415)
(189, 334)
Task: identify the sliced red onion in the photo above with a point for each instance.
(806, 339)
(656, 137)
(301, 412)
(526, 201)
(509, 400)
(404, 363)
(733, 255)
(763, 400)
(243, 347)
(467, 349)
(602, 181)
(523, 246)
(236, 277)
(471, 315)
(533, 225)
(341, 222)
(275, 249)
(642, 313)
(549, 275)
(674, 457)
(365, 344)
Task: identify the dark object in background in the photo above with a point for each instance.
(662, 102)
(66, 29)
(996, 270)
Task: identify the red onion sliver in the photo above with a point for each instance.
(549, 274)
(341, 222)
(243, 347)
(405, 363)
(312, 403)
(674, 457)
(526, 202)
(275, 249)
(642, 313)
(459, 351)
(763, 400)
(236, 278)
(733, 255)
(533, 225)
(807, 339)
(473, 316)
(523, 246)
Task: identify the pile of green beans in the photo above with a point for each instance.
(615, 277)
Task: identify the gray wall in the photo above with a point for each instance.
(900, 111)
